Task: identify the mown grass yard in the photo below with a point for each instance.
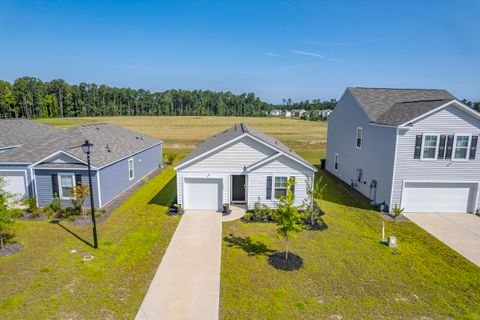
(346, 274)
(47, 281)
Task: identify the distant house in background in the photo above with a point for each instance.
(276, 113)
(412, 148)
(324, 113)
(298, 112)
(240, 165)
(286, 113)
(42, 161)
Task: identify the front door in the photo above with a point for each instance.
(238, 188)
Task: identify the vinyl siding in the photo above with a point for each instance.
(375, 158)
(114, 179)
(44, 188)
(448, 121)
(280, 167)
(232, 158)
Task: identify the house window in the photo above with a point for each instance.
(429, 148)
(359, 137)
(336, 162)
(66, 183)
(461, 147)
(280, 187)
(131, 169)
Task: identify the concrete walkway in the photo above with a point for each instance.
(187, 282)
(238, 211)
(460, 231)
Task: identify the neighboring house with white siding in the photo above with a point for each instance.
(411, 148)
(240, 165)
(41, 161)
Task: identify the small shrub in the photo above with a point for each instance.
(48, 212)
(261, 212)
(56, 204)
(31, 203)
(396, 212)
(70, 213)
(37, 213)
(98, 212)
(170, 157)
(16, 213)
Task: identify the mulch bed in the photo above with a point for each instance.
(277, 260)
(9, 249)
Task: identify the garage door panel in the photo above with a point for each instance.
(15, 183)
(439, 197)
(203, 193)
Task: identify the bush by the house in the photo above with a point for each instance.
(99, 212)
(260, 213)
(170, 157)
(56, 204)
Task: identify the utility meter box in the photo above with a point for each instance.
(392, 242)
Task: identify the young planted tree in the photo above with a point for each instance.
(78, 196)
(289, 219)
(315, 189)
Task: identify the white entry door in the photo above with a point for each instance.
(439, 197)
(203, 193)
(15, 183)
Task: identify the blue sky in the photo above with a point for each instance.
(277, 49)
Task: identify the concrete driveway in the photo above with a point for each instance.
(460, 231)
(187, 282)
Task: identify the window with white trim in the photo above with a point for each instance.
(66, 182)
(131, 169)
(359, 139)
(336, 162)
(461, 144)
(280, 186)
(429, 146)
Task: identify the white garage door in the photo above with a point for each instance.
(203, 193)
(439, 197)
(15, 183)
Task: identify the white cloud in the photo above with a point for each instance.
(271, 54)
(312, 54)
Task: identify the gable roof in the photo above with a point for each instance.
(237, 131)
(394, 107)
(111, 142)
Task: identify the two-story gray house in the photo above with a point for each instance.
(41, 161)
(411, 148)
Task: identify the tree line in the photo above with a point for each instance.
(31, 97)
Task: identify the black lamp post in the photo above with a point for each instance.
(87, 148)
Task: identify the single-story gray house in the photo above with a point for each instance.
(240, 165)
(41, 161)
(411, 148)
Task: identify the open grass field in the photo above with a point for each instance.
(346, 274)
(182, 134)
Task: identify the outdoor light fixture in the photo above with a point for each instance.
(87, 147)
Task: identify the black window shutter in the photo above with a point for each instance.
(78, 179)
(473, 147)
(448, 153)
(55, 185)
(441, 147)
(418, 147)
(269, 187)
(293, 187)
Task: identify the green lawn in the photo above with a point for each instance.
(47, 281)
(347, 273)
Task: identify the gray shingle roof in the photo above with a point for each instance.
(396, 106)
(18, 131)
(111, 143)
(234, 132)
